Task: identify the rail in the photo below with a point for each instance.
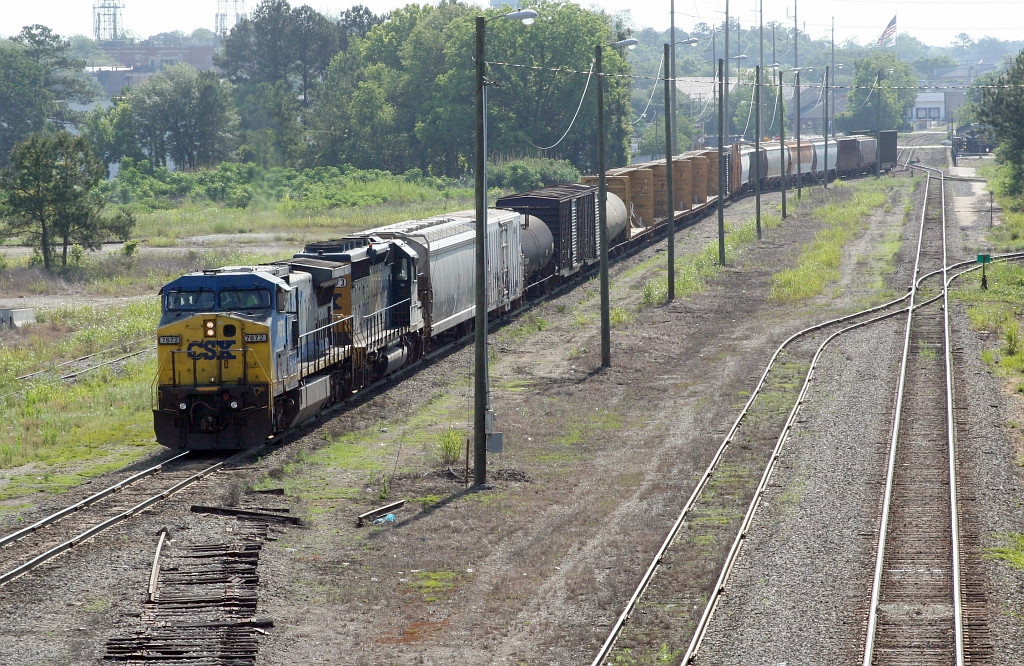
(709, 472)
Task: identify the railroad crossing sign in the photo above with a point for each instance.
(984, 259)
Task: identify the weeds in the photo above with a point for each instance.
(818, 263)
(449, 445)
(1011, 553)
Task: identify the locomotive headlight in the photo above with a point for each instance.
(234, 404)
(210, 328)
(183, 406)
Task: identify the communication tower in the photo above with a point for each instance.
(106, 20)
(229, 12)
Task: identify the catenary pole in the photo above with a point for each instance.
(602, 214)
(757, 149)
(782, 146)
(721, 167)
(670, 84)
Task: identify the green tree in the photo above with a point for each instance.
(25, 102)
(63, 76)
(970, 110)
(49, 196)
(879, 78)
(184, 115)
(1001, 108)
(533, 104)
(114, 133)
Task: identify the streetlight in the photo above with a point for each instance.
(481, 398)
(602, 205)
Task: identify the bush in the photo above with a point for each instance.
(531, 173)
(449, 445)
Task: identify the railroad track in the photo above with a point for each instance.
(916, 614)
(32, 546)
(745, 459)
(926, 349)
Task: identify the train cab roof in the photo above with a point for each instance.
(231, 277)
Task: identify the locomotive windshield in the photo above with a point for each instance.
(189, 300)
(244, 299)
(207, 301)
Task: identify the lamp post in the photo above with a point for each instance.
(602, 206)
(481, 397)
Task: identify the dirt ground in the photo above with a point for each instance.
(535, 568)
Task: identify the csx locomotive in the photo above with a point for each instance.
(245, 352)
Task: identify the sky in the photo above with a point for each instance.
(934, 22)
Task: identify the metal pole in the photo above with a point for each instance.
(878, 124)
(602, 216)
(670, 85)
(833, 89)
(721, 167)
(480, 365)
(782, 146)
(796, 40)
(799, 147)
(760, 53)
(725, 97)
(757, 149)
(672, 73)
(824, 124)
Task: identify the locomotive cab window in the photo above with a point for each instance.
(244, 299)
(189, 300)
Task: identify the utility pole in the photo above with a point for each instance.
(878, 124)
(668, 178)
(671, 74)
(726, 96)
(602, 217)
(799, 147)
(782, 146)
(721, 170)
(757, 150)
(833, 89)
(760, 50)
(796, 40)
(824, 124)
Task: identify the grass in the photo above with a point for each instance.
(818, 263)
(1011, 552)
(56, 434)
(433, 585)
(995, 310)
(162, 227)
(449, 445)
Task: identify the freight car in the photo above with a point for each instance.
(245, 352)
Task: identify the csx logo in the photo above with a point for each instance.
(210, 350)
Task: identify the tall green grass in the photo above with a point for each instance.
(64, 431)
(818, 263)
(693, 272)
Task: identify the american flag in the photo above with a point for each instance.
(888, 37)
